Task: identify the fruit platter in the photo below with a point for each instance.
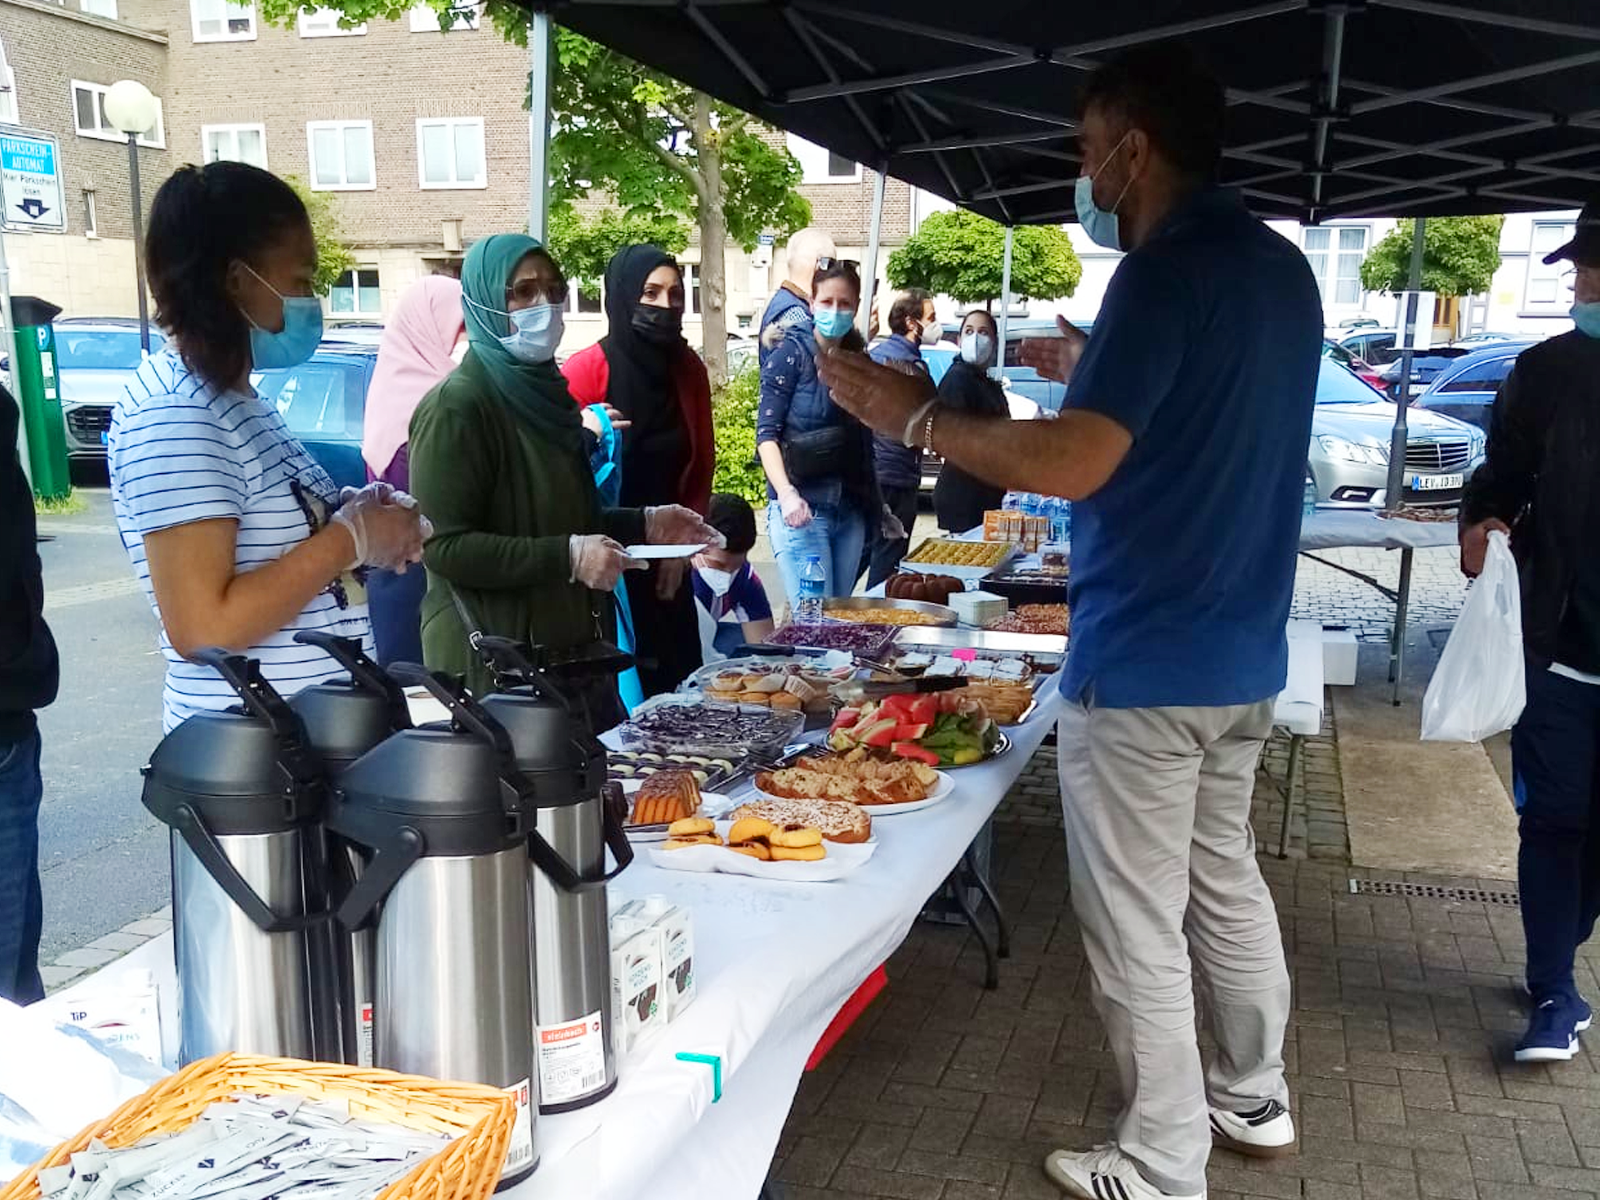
(939, 729)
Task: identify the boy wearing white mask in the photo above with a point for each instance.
(732, 599)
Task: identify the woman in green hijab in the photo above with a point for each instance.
(521, 548)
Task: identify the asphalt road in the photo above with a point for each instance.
(103, 857)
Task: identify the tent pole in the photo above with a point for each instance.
(869, 273)
(1005, 309)
(541, 50)
(1397, 443)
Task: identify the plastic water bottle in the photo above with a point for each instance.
(813, 588)
(1012, 502)
(1309, 508)
(1059, 510)
(1032, 504)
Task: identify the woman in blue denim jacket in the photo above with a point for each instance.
(817, 457)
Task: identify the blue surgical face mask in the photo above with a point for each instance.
(535, 332)
(1101, 225)
(296, 341)
(833, 323)
(1586, 316)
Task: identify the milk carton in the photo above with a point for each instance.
(636, 977)
(676, 930)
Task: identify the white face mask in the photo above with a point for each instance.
(977, 348)
(717, 580)
(931, 333)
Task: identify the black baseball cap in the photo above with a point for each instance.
(1584, 248)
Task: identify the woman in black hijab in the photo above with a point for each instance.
(645, 370)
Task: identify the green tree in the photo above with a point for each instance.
(962, 255)
(1459, 256)
(733, 417)
(584, 245)
(659, 147)
(333, 256)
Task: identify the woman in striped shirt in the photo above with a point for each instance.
(239, 539)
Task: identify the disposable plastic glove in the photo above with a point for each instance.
(598, 561)
(675, 525)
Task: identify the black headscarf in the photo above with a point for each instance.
(655, 450)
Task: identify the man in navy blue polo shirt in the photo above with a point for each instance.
(1183, 446)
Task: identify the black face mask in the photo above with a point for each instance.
(656, 325)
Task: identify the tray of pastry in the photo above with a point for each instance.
(654, 802)
(1042, 652)
(687, 723)
(629, 767)
(796, 684)
(960, 559)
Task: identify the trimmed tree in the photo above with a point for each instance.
(962, 255)
(333, 256)
(664, 150)
(584, 245)
(1459, 256)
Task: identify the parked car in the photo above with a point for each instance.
(1349, 452)
(324, 401)
(1376, 346)
(1466, 389)
(356, 333)
(1479, 340)
(1426, 366)
(1357, 366)
(96, 358)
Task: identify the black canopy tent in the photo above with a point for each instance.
(1337, 107)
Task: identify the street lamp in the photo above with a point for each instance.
(134, 111)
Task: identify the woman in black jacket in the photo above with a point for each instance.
(959, 499)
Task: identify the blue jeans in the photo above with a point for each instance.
(1555, 755)
(21, 906)
(835, 535)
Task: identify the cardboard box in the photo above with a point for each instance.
(1339, 657)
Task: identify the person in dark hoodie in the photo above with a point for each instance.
(30, 672)
(645, 370)
(913, 324)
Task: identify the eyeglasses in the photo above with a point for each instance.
(528, 292)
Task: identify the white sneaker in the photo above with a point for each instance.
(1104, 1173)
(1265, 1132)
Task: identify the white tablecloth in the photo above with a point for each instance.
(774, 963)
(1331, 528)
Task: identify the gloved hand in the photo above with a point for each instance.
(796, 512)
(598, 561)
(675, 525)
(386, 533)
(890, 526)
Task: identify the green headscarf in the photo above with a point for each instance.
(535, 392)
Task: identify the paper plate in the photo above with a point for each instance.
(842, 859)
(712, 804)
(941, 791)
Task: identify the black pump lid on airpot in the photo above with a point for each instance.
(552, 748)
(344, 718)
(454, 785)
(249, 770)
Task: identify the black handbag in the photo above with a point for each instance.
(819, 454)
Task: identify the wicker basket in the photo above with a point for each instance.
(479, 1118)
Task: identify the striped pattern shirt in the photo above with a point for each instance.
(181, 451)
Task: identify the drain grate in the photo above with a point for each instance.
(1431, 891)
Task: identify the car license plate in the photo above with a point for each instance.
(1436, 483)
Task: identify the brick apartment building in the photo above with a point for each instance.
(420, 133)
(55, 63)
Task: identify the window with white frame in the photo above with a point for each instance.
(100, 8)
(325, 23)
(356, 292)
(818, 164)
(341, 156)
(235, 143)
(450, 152)
(9, 107)
(222, 21)
(425, 18)
(585, 296)
(1335, 253)
(89, 117)
(1549, 286)
(91, 214)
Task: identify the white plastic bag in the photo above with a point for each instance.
(1478, 688)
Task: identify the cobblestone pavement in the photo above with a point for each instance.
(1322, 593)
(1406, 1010)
